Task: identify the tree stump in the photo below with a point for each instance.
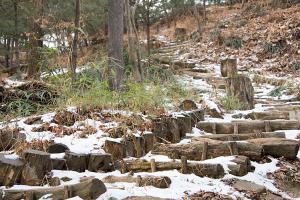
(172, 129)
(185, 125)
(149, 139)
(59, 164)
(10, 171)
(229, 67)
(139, 146)
(100, 162)
(38, 163)
(77, 162)
(116, 149)
(241, 87)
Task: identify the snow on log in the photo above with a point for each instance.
(90, 188)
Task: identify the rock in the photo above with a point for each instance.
(241, 167)
(242, 185)
(77, 162)
(238, 116)
(57, 148)
(10, 171)
(33, 120)
(214, 113)
(100, 162)
(188, 105)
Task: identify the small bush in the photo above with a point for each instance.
(214, 35)
(277, 92)
(231, 102)
(159, 75)
(242, 23)
(233, 43)
(296, 65)
(271, 48)
(260, 13)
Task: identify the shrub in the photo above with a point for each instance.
(277, 92)
(159, 75)
(214, 35)
(242, 23)
(296, 65)
(271, 48)
(231, 102)
(233, 43)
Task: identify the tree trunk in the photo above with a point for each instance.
(7, 51)
(197, 16)
(16, 39)
(147, 18)
(35, 39)
(133, 42)
(115, 43)
(75, 42)
(204, 11)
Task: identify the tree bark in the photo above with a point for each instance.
(74, 55)
(16, 39)
(115, 43)
(35, 39)
(133, 42)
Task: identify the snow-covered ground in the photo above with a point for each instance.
(182, 185)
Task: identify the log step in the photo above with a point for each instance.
(207, 149)
(241, 167)
(239, 137)
(91, 188)
(247, 126)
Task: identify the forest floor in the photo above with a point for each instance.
(269, 40)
